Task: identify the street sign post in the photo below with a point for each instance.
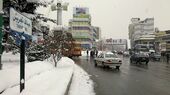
(22, 64)
(1, 22)
(22, 24)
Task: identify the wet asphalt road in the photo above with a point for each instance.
(131, 79)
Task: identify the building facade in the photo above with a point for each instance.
(113, 44)
(162, 42)
(81, 29)
(141, 31)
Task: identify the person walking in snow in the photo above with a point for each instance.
(167, 57)
(87, 52)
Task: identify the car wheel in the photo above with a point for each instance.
(117, 67)
(131, 61)
(103, 65)
(147, 62)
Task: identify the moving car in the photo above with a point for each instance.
(108, 59)
(140, 54)
(139, 57)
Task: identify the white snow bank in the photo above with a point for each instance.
(51, 82)
(43, 79)
(11, 77)
(10, 60)
(9, 57)
(81, 84)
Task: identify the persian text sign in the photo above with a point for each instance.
(20, 23)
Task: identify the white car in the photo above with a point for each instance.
(108, 59)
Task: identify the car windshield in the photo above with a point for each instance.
(110, 55)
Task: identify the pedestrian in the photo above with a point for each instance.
(167, 57)
(92, 53)
(87, 52)
(96, 53)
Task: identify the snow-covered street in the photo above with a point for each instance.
(42, 78)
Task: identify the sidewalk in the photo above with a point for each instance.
(42, 78)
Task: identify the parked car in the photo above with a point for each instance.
(120, 52)
(108, 59)
(155, 56)
(114, 51)
(126, 54)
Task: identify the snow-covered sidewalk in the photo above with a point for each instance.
(42, 78)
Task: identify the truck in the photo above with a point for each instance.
(140, 53)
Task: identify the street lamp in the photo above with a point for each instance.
(59, 7)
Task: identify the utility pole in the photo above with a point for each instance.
(1, 24)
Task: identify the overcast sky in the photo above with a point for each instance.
(113, 16)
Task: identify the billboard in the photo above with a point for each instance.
(80, 10)
(20, 23)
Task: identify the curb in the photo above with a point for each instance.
(69, 84)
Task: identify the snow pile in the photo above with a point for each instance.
(11, 77)
(10, 60)
(52, 81)
(9, 57)
(42, 78)
(81, 84)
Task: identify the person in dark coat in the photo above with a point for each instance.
(92, 53)
(167, 57)
(96, 52)
(87, 52)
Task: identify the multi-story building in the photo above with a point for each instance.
(97, 33)
(141, 32)
(162, 42)
(81, 29)
(113, 44)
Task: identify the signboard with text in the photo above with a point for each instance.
(20, 23)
